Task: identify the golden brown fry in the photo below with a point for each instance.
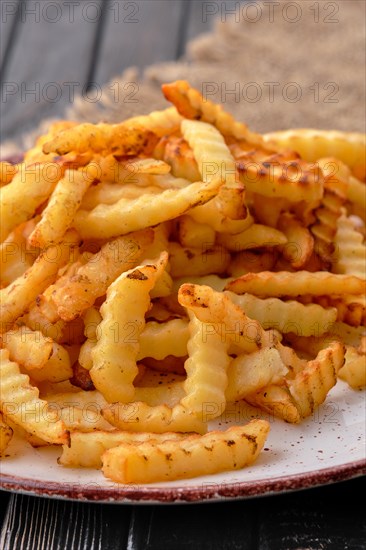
(256, 236)
(197, 261)
(214, 452)
(310, 387)
(76, 293)
(178, 154)
(195, 234)
(140, 417)
(190, 104)
(294, 180)
(350, 253)
(349, 147)
(125, 215)
(289, 316)
(215, 161)
(30, 187)
(283, 283)
(354, 369)
(221, 314)
(27, 347)
(16, 297)
(148, 166)
(85, 449)
(115, 353)
(277, 401)
(59, 213)
(248, 373)
(19, 401)
(300, 243)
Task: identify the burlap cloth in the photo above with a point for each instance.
(300, 64)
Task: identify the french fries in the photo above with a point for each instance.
(20, 403)
(295, 284)
(115, 354)
(156, 271)
(214, 452)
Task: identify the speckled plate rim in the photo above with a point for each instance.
(183, 495)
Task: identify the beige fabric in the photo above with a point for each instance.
(322, 63)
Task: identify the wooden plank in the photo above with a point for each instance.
(39, 524)
(4, 501)
(137, 34)
(8, 22)
(327, 518)
(224, 526)
(39, 85)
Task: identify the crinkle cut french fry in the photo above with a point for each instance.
(350, 309)
(125, 215)
(57, 369)
(248, 373)
(148, 166)
(215, 161)
(210, 214)
(256, 236)
(289, 316)
(110, 193)
(177, 153)
(115, 353)
(16, 297)
(159, 340)
(119, 139)
(214, 452)
(300, 243)
(16, 255)
(294, 180)
(27, 347)
(285, 283)
(354, 369)
(85, 449)
(190, 104)
(248, 261)
(195, 234)
(29, 188)
(78, 292)
(349, 147)
(277, 401)
(298, 397)
(168, 394)
(356, 193)
(310, 387)
(214, 281)
(140, 417)
(217, 309)
(59, 213)
(19, 401)
(350, 249)
(127, 138)
(82, 420)
(206, 368)
(197, 261)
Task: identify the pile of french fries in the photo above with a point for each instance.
(155, 270)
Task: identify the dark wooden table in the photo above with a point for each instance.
(89, 41)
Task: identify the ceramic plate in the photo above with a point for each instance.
(328, 447)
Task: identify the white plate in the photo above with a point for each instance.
(330, 446)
